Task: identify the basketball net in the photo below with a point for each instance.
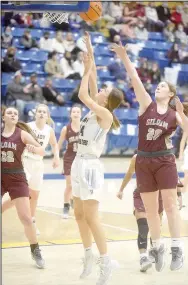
(56, 17)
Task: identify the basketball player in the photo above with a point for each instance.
(70, 134)
(155, 162)
(140, 215)
(87, 172)
(33, 163)
(14, 139)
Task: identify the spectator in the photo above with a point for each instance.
(169, 32)
(46, 43)
(184, 15)
(141, 32)
(69, 42)
(152, 17)
(155, 73)
(116, 69)
(78, 65)
(180, 35)
(163, 12)
(58, 45)
(131, 97)
(74, 97)
(183, 53)
(173, 53)
(34, 89)
(6, 38)
(128, 16)
(140, 11)
(18, 95)
(27, 41)
(50, 94)
(116, 10)
(9, 62)
(176, 16)
(143, 71)
(81, 45)
(67, 67)
(52, 66)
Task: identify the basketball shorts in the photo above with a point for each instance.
(34, 170)
(156, 173)
(139, 205)
(185, 160)
(87, 178)
(67, 167)
(14, 184)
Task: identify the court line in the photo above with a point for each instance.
(106, 225)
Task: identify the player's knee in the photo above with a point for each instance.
(26, 220)
(79, 215)
(142, 233)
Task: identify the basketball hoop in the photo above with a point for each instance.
(56, 17)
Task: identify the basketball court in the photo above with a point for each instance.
(61, 244)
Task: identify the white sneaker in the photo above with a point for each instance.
(88, 265)
(145, 263)
(105, 272)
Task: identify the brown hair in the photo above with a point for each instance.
(171, 103)
(114, 100)
(49, 121)
(21, 125)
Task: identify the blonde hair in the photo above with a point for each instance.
(49, 121)
(114, 100)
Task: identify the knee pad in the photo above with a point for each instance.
(143, 230)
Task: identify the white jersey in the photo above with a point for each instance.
(43, 137)
(91, 137)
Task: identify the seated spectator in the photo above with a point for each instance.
(169, 32)
(46, 43)
(163, 12)
(173, 53)
(34, 89)
(9, 62)
(183, 53)
(184, 15)
(155, 73)
(140, 11)
(50, 94)
(52, 66)
(140, 31)
(67, 67)
(180, 35)
(143, 71)
(131, 97)
(19, 95)
(58, 45)
(129, 16)
(74, 97)
(152, 17)
(69, 42)
(116, 10)
(27, 41)
(176, 16)
(6, 38)
(117, 69)
(78, 65)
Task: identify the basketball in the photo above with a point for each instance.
(94, 12)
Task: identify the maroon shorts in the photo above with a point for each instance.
(67, 167)
(156, 173)
(15, 184)
(139, 205)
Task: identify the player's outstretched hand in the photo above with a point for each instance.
(88, 63)
(120, 195)
(30, 148)
(87, 41)
(120, 50)
(55, 163)
(179, 105)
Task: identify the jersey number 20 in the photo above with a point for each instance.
(7, 156)
(153, 134)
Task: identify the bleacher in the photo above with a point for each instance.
(33, 61)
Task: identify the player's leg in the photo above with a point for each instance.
(174, 221)
(86, 237)
(7, 205)
(67, 197)
(22, 205)
(185, 181)
(34, 196)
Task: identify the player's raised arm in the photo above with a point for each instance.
(55, 149)
(142, 96)
(31, 144)
(62, 137)
(93, 75)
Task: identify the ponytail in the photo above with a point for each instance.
(23, 126)
(50, 122)
(172, 105)
(116, 123)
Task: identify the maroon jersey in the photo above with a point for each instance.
(11, 151)
(72, 141)
(155, 130)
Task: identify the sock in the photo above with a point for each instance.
(88, 251)
(33, 246)
(156, 243)
(143, 254)
(176, 242)
(66, 205)
(104, 258)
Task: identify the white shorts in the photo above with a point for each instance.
(87, 178)
(34, 170)
(185, 160)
